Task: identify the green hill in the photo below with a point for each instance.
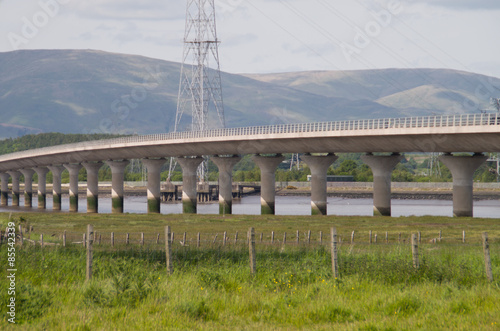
(85, 91)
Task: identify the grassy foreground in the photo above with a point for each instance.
(211, 287)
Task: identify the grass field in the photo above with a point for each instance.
(211, 286)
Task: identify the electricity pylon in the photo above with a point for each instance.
(200, 81)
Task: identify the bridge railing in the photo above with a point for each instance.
(354, 125)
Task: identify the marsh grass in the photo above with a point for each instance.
(211, 287)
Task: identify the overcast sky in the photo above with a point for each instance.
(262, 36)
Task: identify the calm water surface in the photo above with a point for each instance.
(291, 206)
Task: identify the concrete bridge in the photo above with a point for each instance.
(476, 133)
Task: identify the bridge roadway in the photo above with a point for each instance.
(476, 133)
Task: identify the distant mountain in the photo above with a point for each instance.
(85, 91)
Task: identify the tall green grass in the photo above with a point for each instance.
(211, 288)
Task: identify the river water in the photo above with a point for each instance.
(289, 205)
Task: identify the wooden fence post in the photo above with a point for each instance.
(142, 238)
(251, 236)
(41, 240)
(414, 250)
(272, 237)
(419, 237)
(21, 239)
(386, 237)
(157, 238)
(84, 240)
(236, 238)
(352, 237)
(334, 253)
(370, 241)
(64, 238)
(198, 240)
(168, 249)
(309, 237)
(215, 238)
(375, 238)
(284, 239)
(184, 238)
(298, 237)
(112, 239)
(321, 237)
(463, 236)
(261, 236)
(224, 239)
(127, 239)
(487, 258)
(90, 233)
(440, 235)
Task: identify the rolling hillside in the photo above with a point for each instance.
(85, 91)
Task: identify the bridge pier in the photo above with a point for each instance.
(382, 167)
(462, 169)
(117, 179)
(42, 186)
(74, 170)
(28, 187)
(189, 198)
(268, 165)
(226, 165)
(4, 201)
(56, 186)
(15, 187)
(153, 167)
(319, 166)
(92, 169)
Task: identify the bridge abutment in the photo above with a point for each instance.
(226, 165)
(117, 182)
(319, 166)
(28, 186)
(4, 201)
(153, 167)
(189, 198)
(74, 170)
(382, 167)
(92, 169)
(42, 186)
(268, 165)
(56, 186)
(462, 169)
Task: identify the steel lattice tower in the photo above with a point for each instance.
(200, 81)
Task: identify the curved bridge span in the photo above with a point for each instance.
(475, 133)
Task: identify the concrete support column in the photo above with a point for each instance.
(56, 186)
(42, 186)
(268, 165)
(382, 167)
(28, 187)
(5, 189)
(74, 170)
(226, 165)
(92, 185)
(15, 186)
(189, 198)
(117, 178)
(319, 166)
(462, 169)
(153, 167)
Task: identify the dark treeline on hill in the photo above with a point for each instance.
(45, 140)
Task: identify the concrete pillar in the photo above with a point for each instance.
(117, 178)
(226, 165)
(189, 198)
(267, 165)
(382, 167)
(92, 185)
(153, 167)
(319, 166)
(56, 186)
(462, 169)
(42, 186)
(28, 187)
(5, 189)
(15, 187)
(74, 170)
